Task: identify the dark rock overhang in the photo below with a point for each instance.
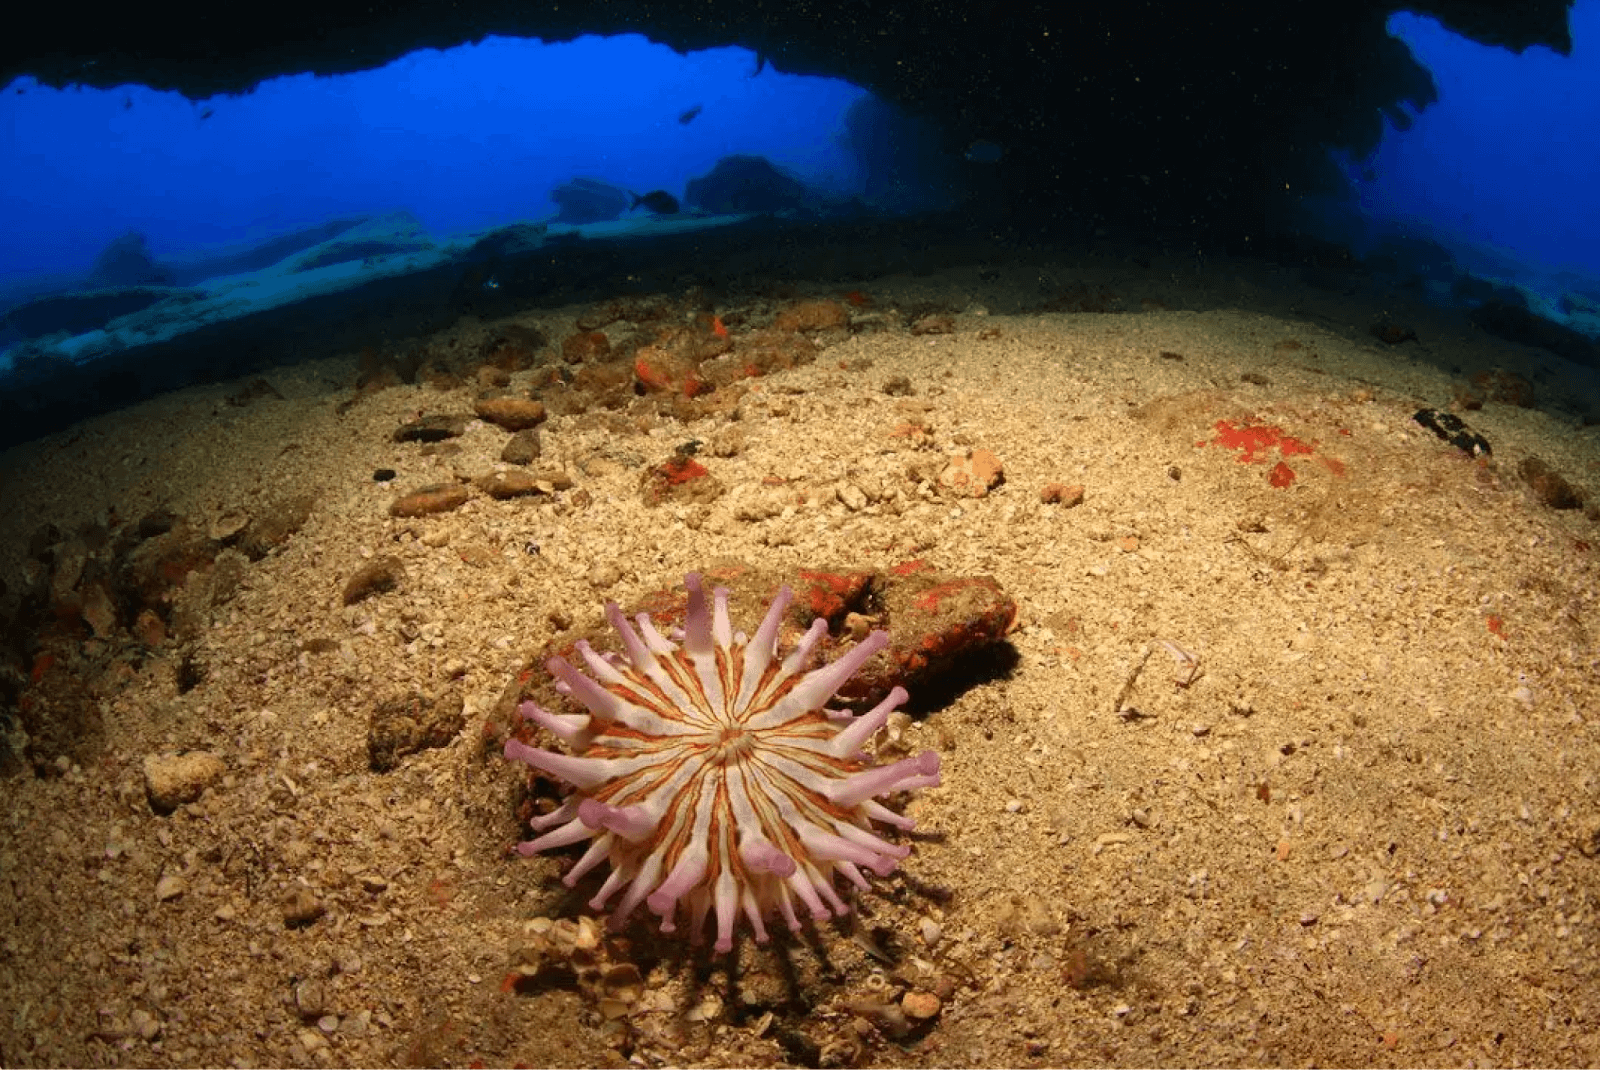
(1165, 114)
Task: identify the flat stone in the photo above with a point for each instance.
(434, 428)
(436, 498)
(510, 483)
(511, 413)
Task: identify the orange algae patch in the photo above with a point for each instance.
(1257, 438)
(1255, 442)
(682, 469)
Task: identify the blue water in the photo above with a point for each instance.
(1499, 180)
(472, 137)
(1511, 153)
(1503, 172)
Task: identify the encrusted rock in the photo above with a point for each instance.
(973, 474)
(812, 316)
(405, 725)
(682, 479)
(585, 346)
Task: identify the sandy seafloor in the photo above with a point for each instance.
(1365, 834)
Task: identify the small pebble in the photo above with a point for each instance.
(301, 907)
(171, 780)
(931, 931)
(920, 1005)
(310, 1000)
(144, 1023)
(170, 887)
(1013, 806)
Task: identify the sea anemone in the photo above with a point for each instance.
(709, 773)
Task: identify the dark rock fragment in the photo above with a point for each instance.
(375, 577)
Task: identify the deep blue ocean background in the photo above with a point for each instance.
(1503, 172)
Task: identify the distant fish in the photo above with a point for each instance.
(491, 284)
(658, 201)
(984, 152)
(689, 116)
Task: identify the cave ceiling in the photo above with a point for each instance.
(1164, 112)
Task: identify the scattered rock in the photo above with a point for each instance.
(301, 907)
(227, 527)
(937, 620)
(759, 353)
(1587, 837)
(522, 447)
(919, 1005)
(310, 999)
(585, 346)
(669, 368)
(1392, 334)
(254, 390)
(1507, 388)
(375, 577)
(489, 377)
(431, 429)
(1066, 495)
(407, 724)
(604, 576)
(171, 780)
(273, 523)
(934, 323)
(97, 609)
(511, 413)
(144, 1023)
(812, 316)
(149, 628)
(509, 483)
(973, 474)
(1549, 485)
(436, 498)
(170, 886)
(681, 479)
